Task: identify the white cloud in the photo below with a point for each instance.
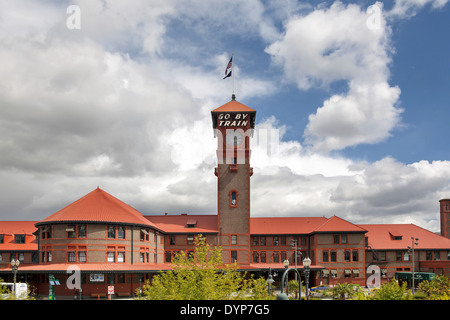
(409, 8)
(342, 43)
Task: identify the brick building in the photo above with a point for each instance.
(111, 243)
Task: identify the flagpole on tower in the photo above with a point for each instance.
(230, 74)
(233, 96)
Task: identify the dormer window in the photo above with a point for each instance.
(395, 235)
(191, 223)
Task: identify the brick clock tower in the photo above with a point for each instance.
(233, 125)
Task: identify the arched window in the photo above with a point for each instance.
(233, 198)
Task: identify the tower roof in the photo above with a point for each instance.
(233, 106)
(98, 206)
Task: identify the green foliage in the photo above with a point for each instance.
(202, 276)
(436, 289)
(346, 290)
(392, 291)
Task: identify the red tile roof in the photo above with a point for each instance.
(179, 223)
(336, 224)
(233, 106)
(381, 237)
(11, 228)
(98, 206)
(285, 225)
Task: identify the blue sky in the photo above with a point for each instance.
(357, 90)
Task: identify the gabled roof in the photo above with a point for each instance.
(179, 223)
(398, 237)
(336, 224)
(98, 206)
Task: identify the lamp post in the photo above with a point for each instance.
(269, 280)
(15, 268)
(414, 241)
(306, 266)
(294, 244)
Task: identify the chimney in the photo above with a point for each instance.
(445, 217)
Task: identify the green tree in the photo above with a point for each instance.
(436, 289)
(346, 290)
(392, 291)
(201, 275)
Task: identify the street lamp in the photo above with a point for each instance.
(294, 244)
(269, 280)
(414, 241)
(306, 265)
(15, 268)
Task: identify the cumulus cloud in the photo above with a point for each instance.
(409, 8)
(342, 43)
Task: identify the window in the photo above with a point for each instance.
(2, 238)
(233, 256)
(144, 235)
(282, 256)
(276, 257)
(347, 255)
(325, 256)
(256, 241)
(81, 256)
(262, 241)
(255, 256)
(344, 239)
(355, 255)
(303, 241)
(333, 256)
(276, 241)
(398, 256)
(19, 238)
(190, 240)
(142, 257)
(168, 256)
(71, 256)
(172, 240)
(282, 241)
(336, 239)
(233, 239)
(111, 232)
(111, 256)
(46, 232)
(121, 233)
(71, 232)
(262, 256)
(21, 257)
(406, 256)
(81, 231)
(381, 256)
(121, 256)
(233, 198)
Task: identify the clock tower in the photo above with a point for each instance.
(233, 125)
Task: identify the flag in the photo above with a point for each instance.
(230, 64)
(228, 75)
